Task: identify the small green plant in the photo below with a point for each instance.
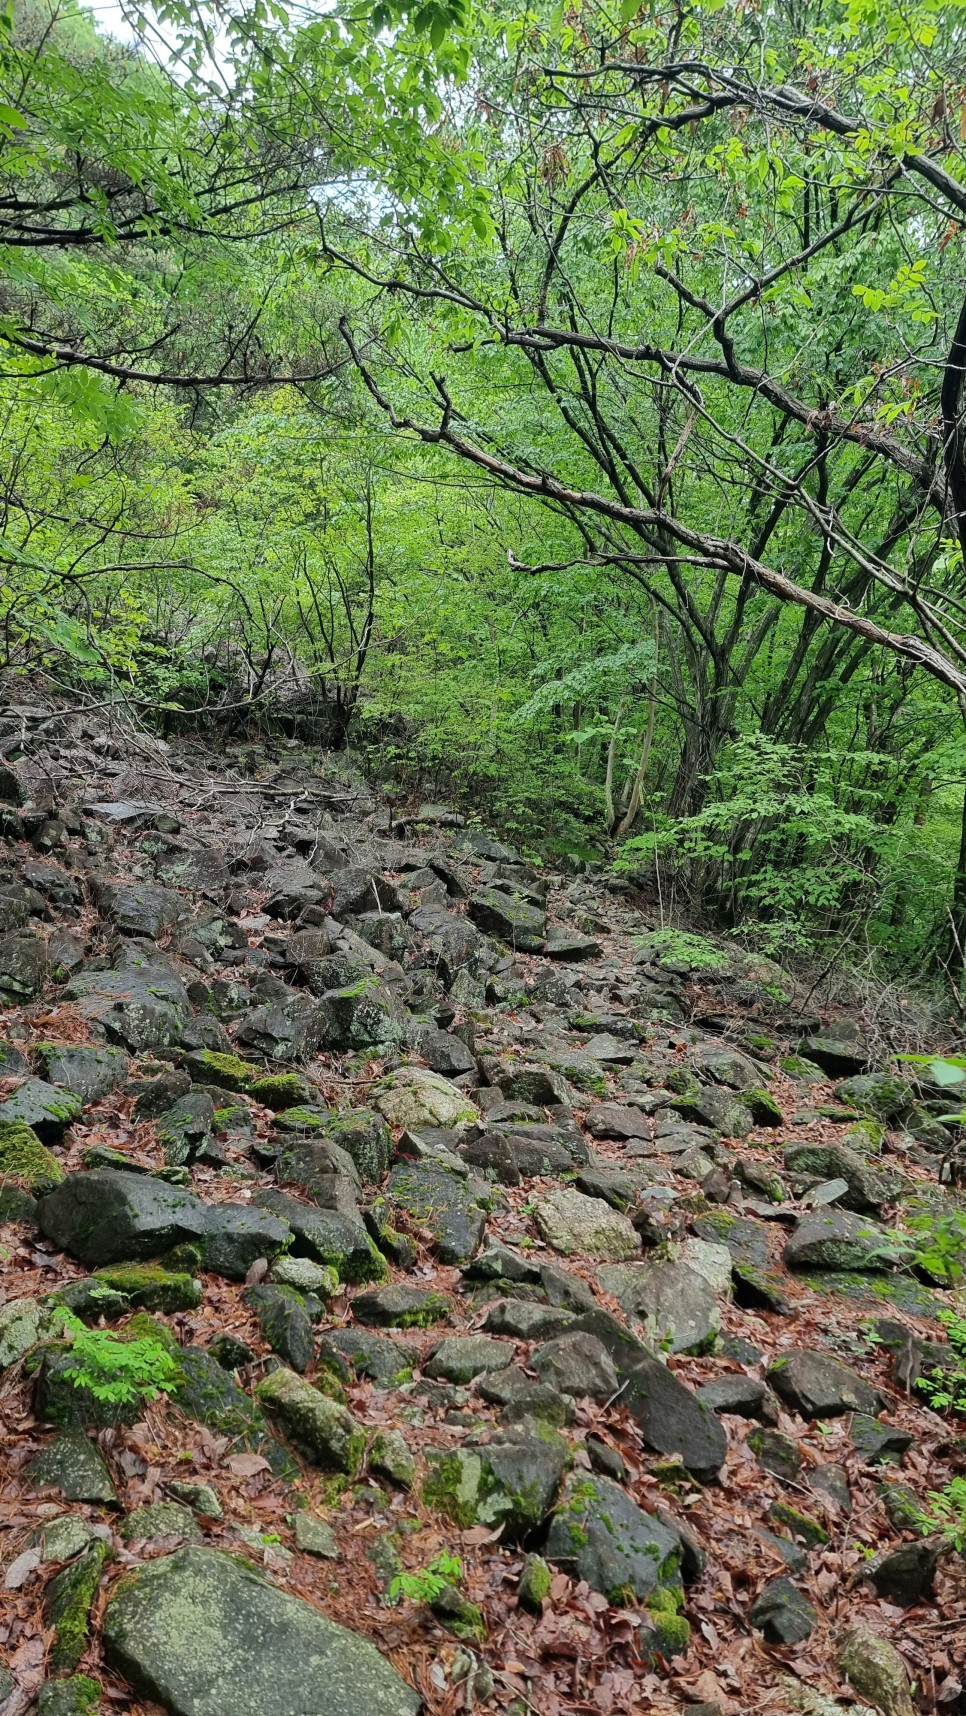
(117, 1370)
(947, 1516)
(427, 1583)
(945, 1389)
(939, 1244)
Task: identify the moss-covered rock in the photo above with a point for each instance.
(150, 1286)
(160, 1519)
(68, 1603)
(392, 1457)
(453, 1486)
(229, 1072)
(802, 1525)
(24, 1160)
(324, 1428)
(533, 1588)
(78, 1695)
(210, 1396)
(280, 1091)
(458, 1615)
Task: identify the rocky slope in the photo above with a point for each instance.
(526, 1296)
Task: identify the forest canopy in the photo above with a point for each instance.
(562, 409)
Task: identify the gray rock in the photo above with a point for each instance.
(90, 1073)
(206, 1636)
(209, 1395)
(282, 1318)
(446, 1205)
(324, 1428)
(185, 1126)
(879, 1444)
(839, 1049)
(776, 1453)
(875, 1669)
(287, 1029)
(610, 1051)
(510, 918)
(837, 1239)
(717, 1108)
(140, 1002)
(402, 1307)
(880, 1094)
(569, 945)
(23, 1324)
(62, 1538)
(415, 1097)
(521, 1397)
(23, 968)
(866, 1188)
(327, 1236)
(392, 1457)
(783, 1614)
(45, 1108)
(159, 1519)
(742, 1396)
(314, 1536)
(378, 1357)
(576, 1364)
(599, 1534)
(460, 1358)
(817, 1386)
(675, 1306)
(905, 1575)
(78, 1695)
(671, 1418)
(139, 908)
(201, 1497)
(571, 1222)
(535, 1085)
(72, 1464)
(526, 1320)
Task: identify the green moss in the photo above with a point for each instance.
(866, 1136)
(663, 1601)
(535, 1581)
(69, 1600)
(459, 1615)
(77, 1696)
(452, 1487)
(25, 1160)
(225, 1119)
(152, 1287)
(802, 1525)
(305, 1119)
(671, 1634)
(280, 1091)
(229, 1071)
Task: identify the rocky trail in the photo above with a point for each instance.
(525, 1295)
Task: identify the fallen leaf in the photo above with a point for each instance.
(247, 1465)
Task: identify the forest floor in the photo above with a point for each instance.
(613, 1283)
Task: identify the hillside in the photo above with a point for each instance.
(430, 1283)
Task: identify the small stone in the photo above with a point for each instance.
(68, 1602)
(743, 1396)
(675, 1307)
(605, 1460)
(63, 1538)
(160, 1519)
(201, 1497)
(521, 1397)
(314, 1536)
(306, 1276)
(533, 1587)
(571, 1222)
(776, 1453)
(526, 1320)
(74, 1465)
(401, 1307)
(802, 1525)
(782, 1613)
(817, 1386)
(599, 1534)
(837, 1239)
(578, 1365)
(879, 1444)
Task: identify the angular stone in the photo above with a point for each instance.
(571, 1222)
(314, 1536)
(719, 1109)
(392, 1457)
(326, 1430)
(159, 1519)
(510, 918)
(72, 1464)
(451, 1211)
(89, 1072)
(328, 1236)
(462, 1357)
(905, 1575)
(675, 1306)
(837, 1239)
(521, 1397)
(599, 1534)
(881, 1094)
(576, 1364)
(23, 1324)
(68, 1602)
(209, 1395)
(23, 968)
(742, 1396)
(817, 1386)
(526, 1320)
(783, 1614)
(139, 908)
(879, 1444)
(867, 1188)
(284, 1322)
(615, 1120)
(839, 1049)
(569, 945)
(383, 1360)
(289, 1029)
(140, 1002)
(204, 1635)
(414, 1097)
(47, 1110)
(402, 1307)
(61, 1539)
(776, 1453)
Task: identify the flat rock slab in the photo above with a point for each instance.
(571, 1222)
(415, 1097)
(674, 1305)
(837, 1239)
(109, 1216)
(617, 1120)
(204, 1635)
(601, 1535)
(446, 1205)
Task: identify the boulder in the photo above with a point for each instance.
(817, 1386)
(879, 1094)
(327, 1236)
(599, 1534)
(867, 1188)
(110, 1216)
(783, 1614)
(617, 1120)
(570, 945)
(23, 968)
(402, 1307)
(415, 1097)
(47, 1110)
(675, 1306)
(510, 918)
(673, 1420)
(460, 1358)
(447, 1206)
(89, 1072)
(140, 1002)
(837, 1239)
(578, 1365)
(74, 1465)
(378, 1357)
(324, 1428)
(284, 1322)
(839, 1049)
(203, 1634)
(875, 1669)
(571, 1222)
(139, 908)
(289, 1028)
(905, 1575)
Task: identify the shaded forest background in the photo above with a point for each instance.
(560, 410)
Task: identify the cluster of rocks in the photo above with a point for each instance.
(233, 997)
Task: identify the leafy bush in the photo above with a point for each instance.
(115, 1369)
(945, 1389)
(425, 1585)
(947, 1516)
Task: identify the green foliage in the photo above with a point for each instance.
(947, 1515)
(117, 1370)
(428, 1582)
(945, 1389)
